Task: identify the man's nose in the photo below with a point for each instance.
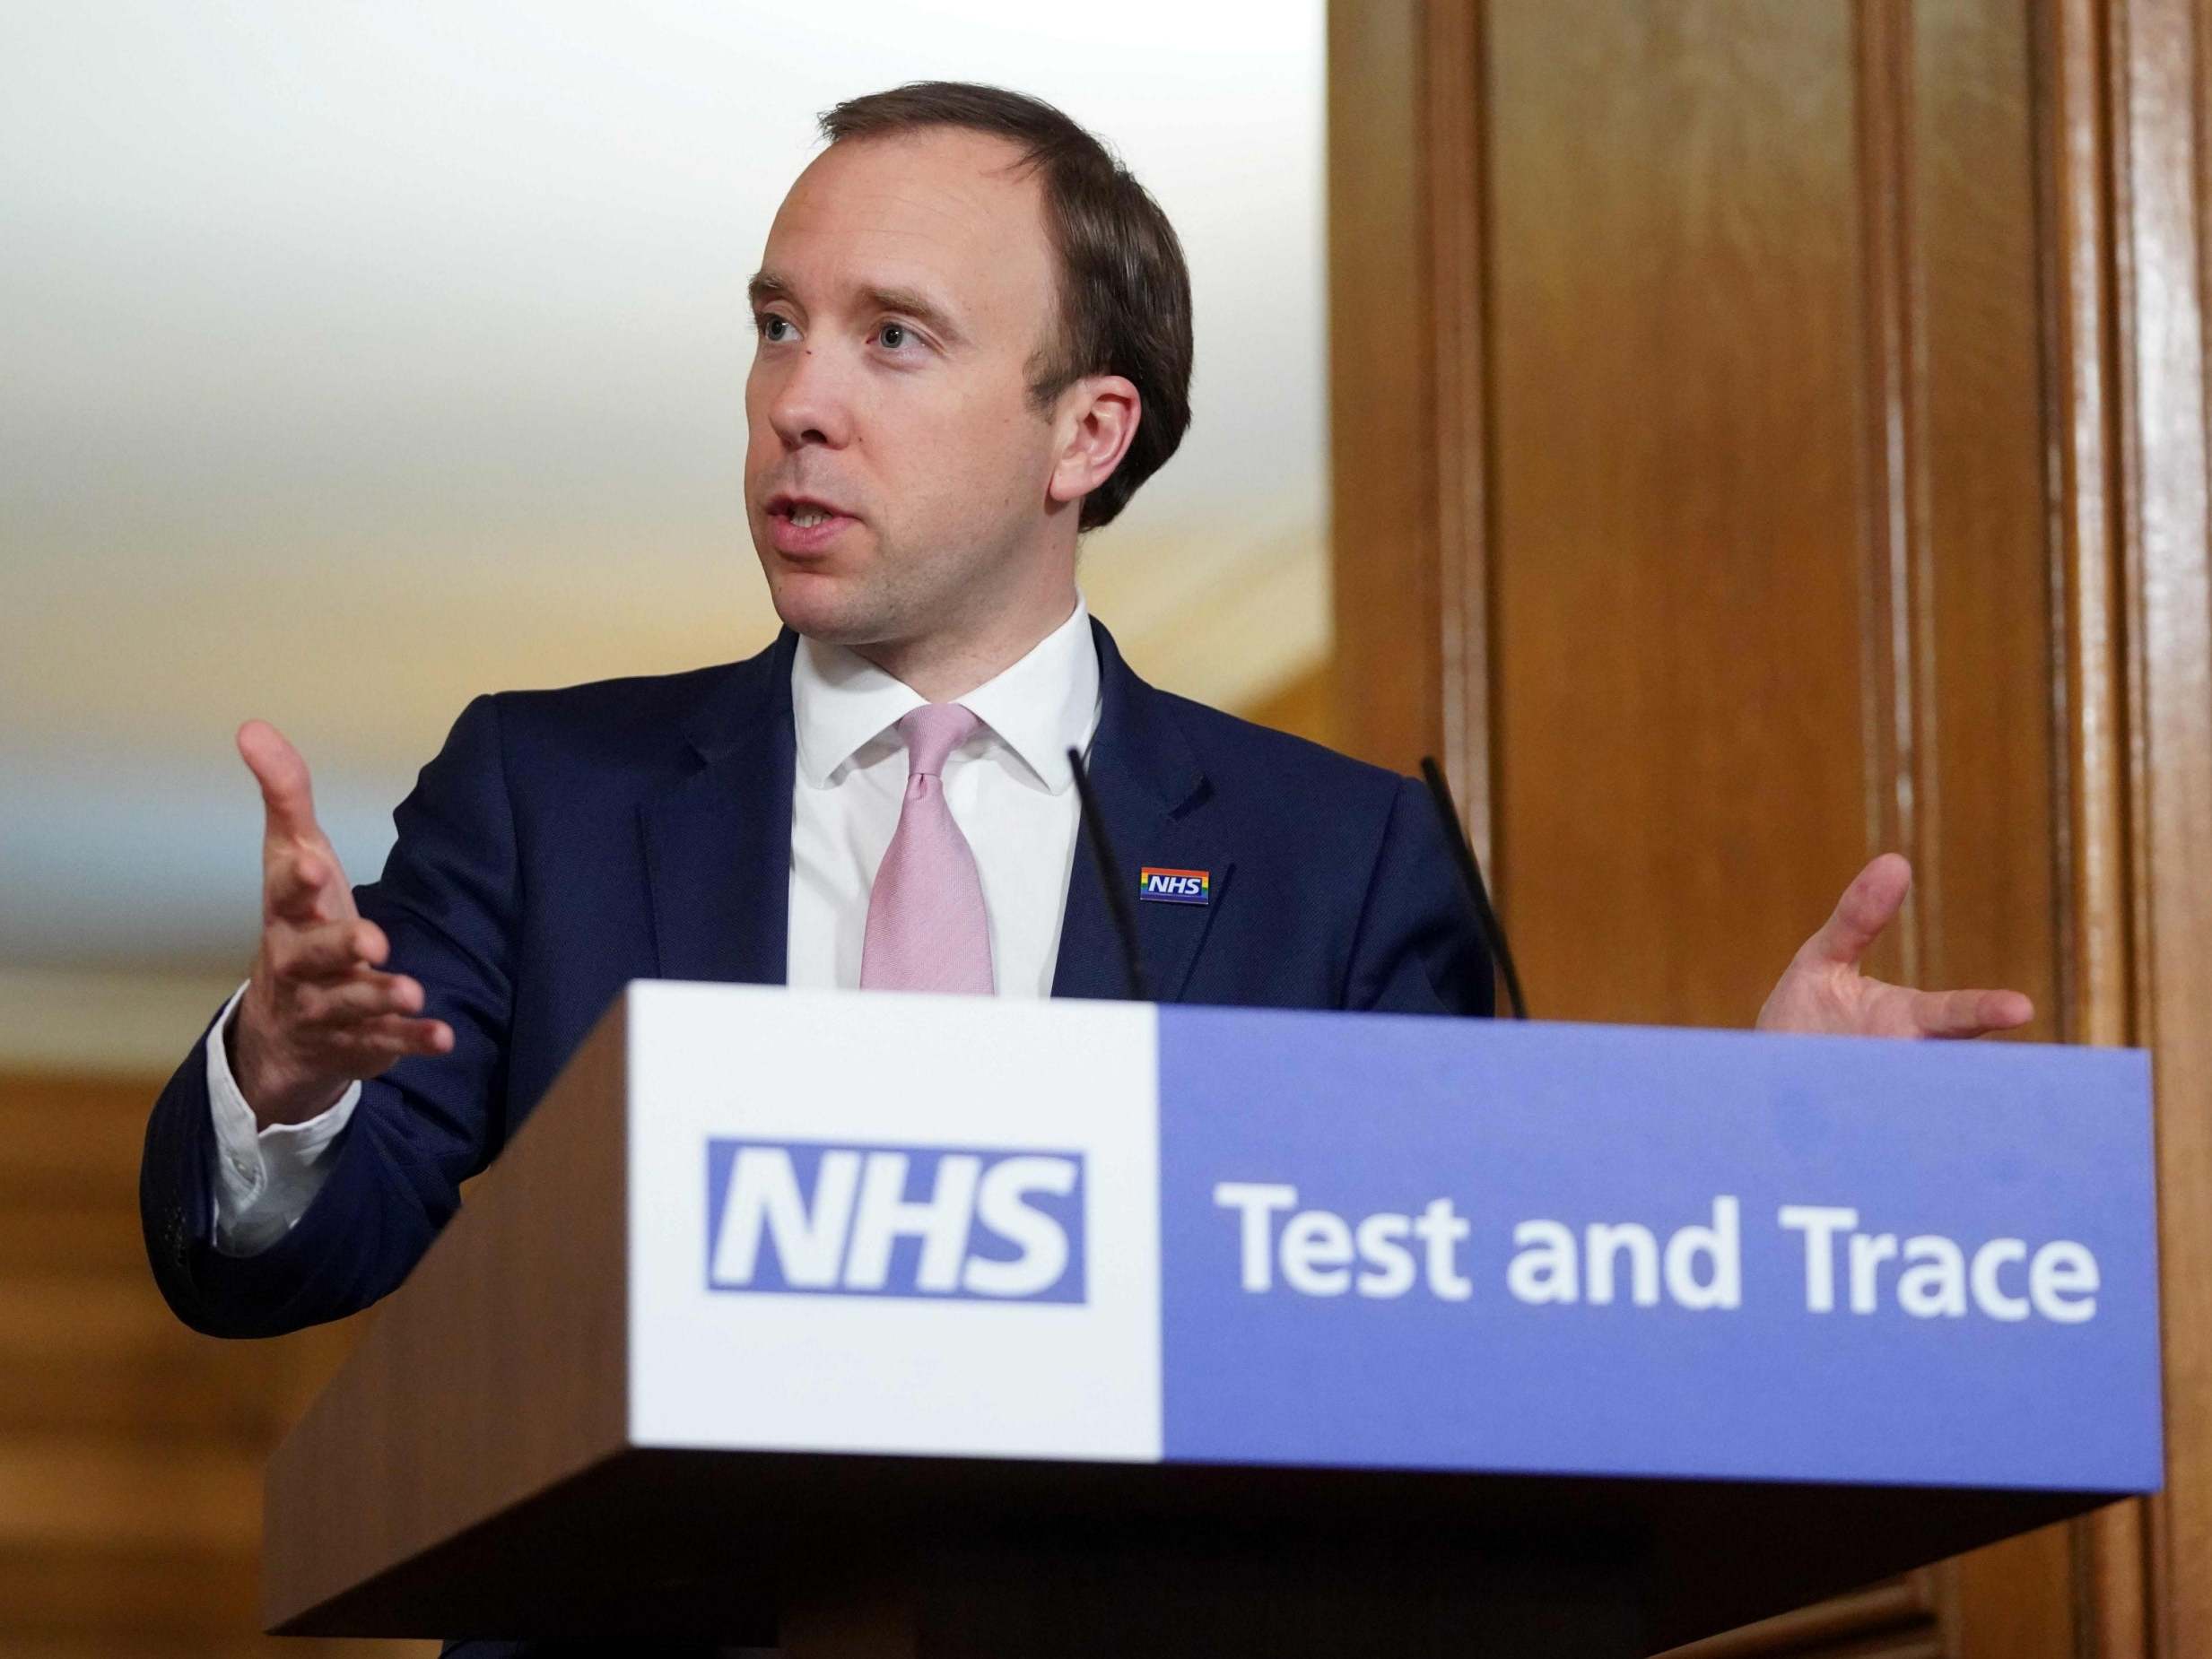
(810, 404)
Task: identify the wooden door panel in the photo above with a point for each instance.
(1676, 496)
(1800, 405)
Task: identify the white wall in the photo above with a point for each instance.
(356, 358)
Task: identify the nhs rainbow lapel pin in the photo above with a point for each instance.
(1174, 886)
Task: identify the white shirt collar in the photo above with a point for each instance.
(1040, 707)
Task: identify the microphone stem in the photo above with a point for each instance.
(1103, 860)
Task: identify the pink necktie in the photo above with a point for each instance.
(926, 930)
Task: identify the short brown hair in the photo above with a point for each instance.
(1125, 292)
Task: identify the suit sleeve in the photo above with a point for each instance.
(1418, 948)
(447, 900)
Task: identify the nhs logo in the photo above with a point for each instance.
(1182, 887)
(975, 1223)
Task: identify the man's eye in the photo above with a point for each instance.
(892, 335)
(773, 327)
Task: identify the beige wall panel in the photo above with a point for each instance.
(131, 1450)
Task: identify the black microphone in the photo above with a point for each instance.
(1107, 864)
(1471, 877)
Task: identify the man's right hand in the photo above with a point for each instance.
(317, 1014)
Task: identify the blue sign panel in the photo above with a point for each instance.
(1390, 1242)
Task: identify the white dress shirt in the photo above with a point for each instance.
(1010, 789)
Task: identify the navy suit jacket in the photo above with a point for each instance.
(564, 843)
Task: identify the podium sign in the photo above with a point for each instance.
(1112, 1232)
(1073, 1329)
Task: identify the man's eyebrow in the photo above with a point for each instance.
(911, 302)
(765, 286)
(771, 285)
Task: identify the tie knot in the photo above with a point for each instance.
(933, 732)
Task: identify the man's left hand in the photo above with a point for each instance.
(1823, 990)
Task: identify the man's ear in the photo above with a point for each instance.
(1097, 420)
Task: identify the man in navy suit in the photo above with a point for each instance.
(974, 343)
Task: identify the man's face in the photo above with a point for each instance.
(907, 284)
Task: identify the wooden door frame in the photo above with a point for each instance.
(1409, 634)
(2153, 56)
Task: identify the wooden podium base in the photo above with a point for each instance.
(1192, 1599)
(874, 1558)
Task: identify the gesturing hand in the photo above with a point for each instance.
(317, 1014)
(1823, 990)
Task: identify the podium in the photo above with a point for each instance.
(916, 1327)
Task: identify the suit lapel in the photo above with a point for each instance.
(718, 842)
(1152, 797)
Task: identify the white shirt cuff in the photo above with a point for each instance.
(265, 1179)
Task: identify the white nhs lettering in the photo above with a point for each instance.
(977, 1222)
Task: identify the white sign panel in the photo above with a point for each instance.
(906, 1233)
